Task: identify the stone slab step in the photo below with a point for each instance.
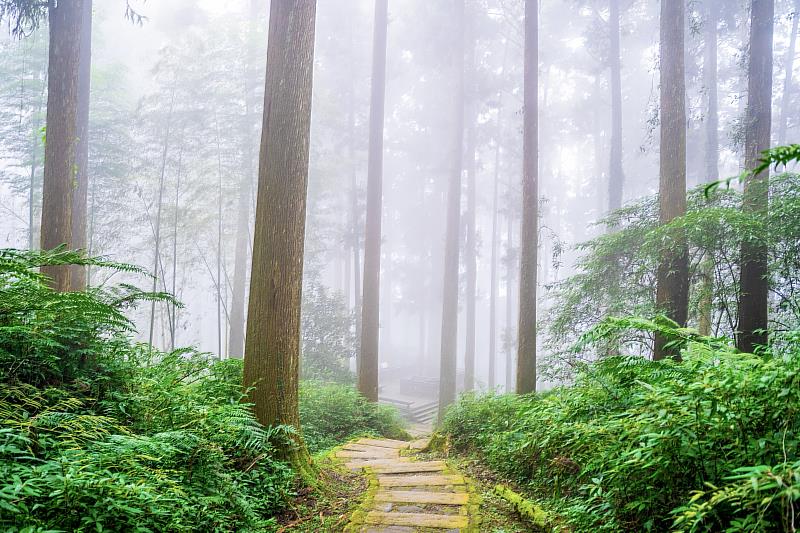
(355, 454)
(417, 520)
(410, 496)
(419, 481)
(356, 464)
(353, 447)
(410, 467)
(384, 443)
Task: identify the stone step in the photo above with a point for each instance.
(419, 481)
(439, 521)
(419, 444)
(410, 467)
(355, 454)
(410, 496)
(372, 463)
(353, 447)
(384, 443)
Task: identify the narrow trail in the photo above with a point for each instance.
(406, 495)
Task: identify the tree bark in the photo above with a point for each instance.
(529, 233)
(449, 333)
(754, 290)
(370, 307)
(511, 269)
(788, 88)
(470, 252)
(272, 345)
(672, 290)
(66, 28)
(616, 175)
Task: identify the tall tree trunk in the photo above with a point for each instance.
(370, 308)
(272, 345)
(706, 289)
(495, 238)
(81, 192)
(672, 291)
(511, 270)
(470, 252)
(786, 101)
(616, 175)
(157, 227)
(173, 326)
(710, 82)
(529, 234)
(238, 294)
(754, 291)
(66, 29)
(449, 333)
(219, 246)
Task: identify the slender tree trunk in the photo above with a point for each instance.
(157, 228)
(370, 309)
(495, 238)
(173, 327)
(272, 345)
(511, 269)
(706, 289)
(219, 246)
(34, 162)
(81, 191)
(788, 89)
(754, 291)
(616, 175)
(238, 292)
(672, 291)
(710, 82)
(449, 340)
(529, 235)
(66, 27)
(470, 252)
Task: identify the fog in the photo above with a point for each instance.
(175, 114)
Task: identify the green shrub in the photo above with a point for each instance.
(709, 444)
(331, 414)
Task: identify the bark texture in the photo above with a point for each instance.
(529, 233)
(66, 24)
(754, 290)
(272, 346)
(370, 308)
(449, 339)
(672, 290)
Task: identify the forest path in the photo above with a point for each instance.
(406, 495)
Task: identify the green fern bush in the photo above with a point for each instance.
(709, 444)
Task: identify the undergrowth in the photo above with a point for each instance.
(709, 444)
(100, 433)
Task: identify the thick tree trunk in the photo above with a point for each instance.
(529, 233)
(616, 175)
(672, 291)
(470, 253)
(66, 29)
(754, 290)
(449, 333)
(788, 88)
(272, 346)
(370, 309)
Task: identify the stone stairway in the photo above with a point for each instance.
(406, 495)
